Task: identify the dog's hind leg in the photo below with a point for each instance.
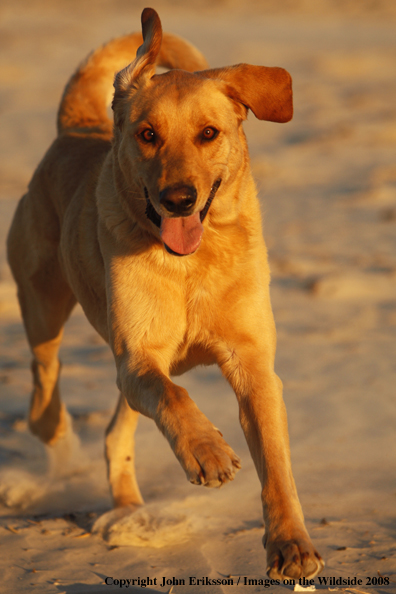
(44, 314)
(46, 302)
(120, 456)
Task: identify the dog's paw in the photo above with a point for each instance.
(207, 459)
(104, 523)
(156, 525)
(295, 558)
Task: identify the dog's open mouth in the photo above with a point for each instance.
(181, 235)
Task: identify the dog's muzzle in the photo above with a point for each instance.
(181, 233)
(155, 218)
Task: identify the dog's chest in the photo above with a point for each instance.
(205, 305)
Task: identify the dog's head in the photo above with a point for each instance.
(179, 139)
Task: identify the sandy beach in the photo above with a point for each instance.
(327, 187)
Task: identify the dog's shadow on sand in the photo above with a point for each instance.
(79, 588)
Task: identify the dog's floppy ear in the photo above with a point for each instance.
(266, 91)
(142, 66)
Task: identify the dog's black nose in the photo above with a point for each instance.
(178, 199)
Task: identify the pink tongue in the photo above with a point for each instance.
(182, 234)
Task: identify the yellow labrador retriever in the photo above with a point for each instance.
(153, 226)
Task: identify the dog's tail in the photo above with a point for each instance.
(89, 91)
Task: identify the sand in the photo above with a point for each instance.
(327, 184)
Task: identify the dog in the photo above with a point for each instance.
(152, 224)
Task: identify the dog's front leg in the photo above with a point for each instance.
(249, 369)
(201, 450)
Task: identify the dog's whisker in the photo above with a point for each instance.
(135, 194)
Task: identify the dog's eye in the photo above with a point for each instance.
(147, 135)
(209, 133)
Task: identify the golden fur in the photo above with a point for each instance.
(84, 232)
